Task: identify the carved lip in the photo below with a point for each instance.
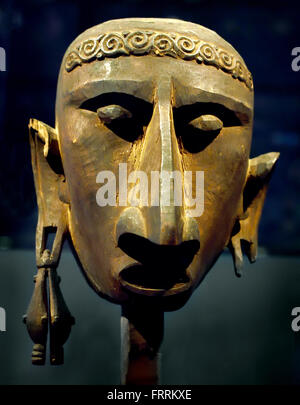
(139, 279)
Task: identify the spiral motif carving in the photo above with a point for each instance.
(227, 62)
(88, 49)
(158, 43)
(112, 44)
(239, 71)
(249, 81)
(72, 61)
(163, 44)
(137, 41)
(186, 44)
(186, 47)
(208, 53)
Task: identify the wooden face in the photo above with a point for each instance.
(154, 114)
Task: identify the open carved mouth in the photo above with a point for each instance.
(140, 279)
(159, 269)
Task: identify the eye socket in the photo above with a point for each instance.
(125, 115)
(197, 133)
(200, 132)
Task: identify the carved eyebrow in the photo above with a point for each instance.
(141, 89)
(191, 94)
(187, 113)
(133, 104)
(183, 114)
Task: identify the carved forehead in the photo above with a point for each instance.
(158, 37)
(202, 66)
(159, 24)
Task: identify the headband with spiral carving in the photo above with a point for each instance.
(176, 45)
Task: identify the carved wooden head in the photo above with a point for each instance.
(137, 98)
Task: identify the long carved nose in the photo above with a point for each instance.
(160, 231)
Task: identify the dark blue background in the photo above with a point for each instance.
(36, 34)
(231, 331)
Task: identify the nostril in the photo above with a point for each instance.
(188, 249)
(158, 266)
(135, 246)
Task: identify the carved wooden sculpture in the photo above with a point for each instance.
(160, 95)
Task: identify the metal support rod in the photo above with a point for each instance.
(141, 336)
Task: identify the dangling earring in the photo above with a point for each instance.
(49, 309)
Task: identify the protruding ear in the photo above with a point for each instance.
(245, 232)
(50, 186)
(52, 199)
(46, 134)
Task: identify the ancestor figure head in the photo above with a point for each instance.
(147, 168)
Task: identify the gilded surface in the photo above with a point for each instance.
(191, 112)
(160, 44)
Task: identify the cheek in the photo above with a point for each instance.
(224, 163)
(89, 147)
(83, 135)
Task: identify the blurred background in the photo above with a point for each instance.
(232, 331)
